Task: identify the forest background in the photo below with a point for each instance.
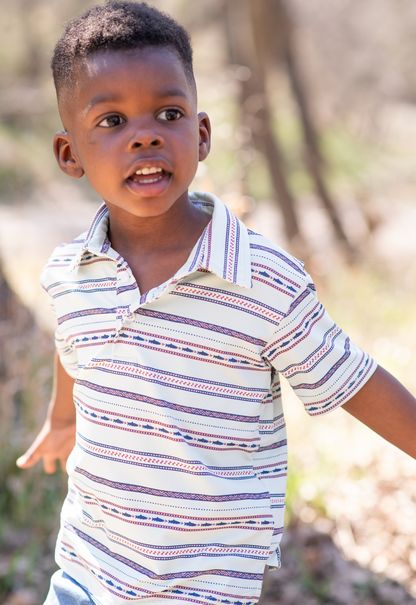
(313, 106)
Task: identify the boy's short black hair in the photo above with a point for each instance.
(118, 25)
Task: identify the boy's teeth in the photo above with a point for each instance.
(148, 171)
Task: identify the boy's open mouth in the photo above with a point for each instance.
(146, 176)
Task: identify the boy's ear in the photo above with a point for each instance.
(65, 156)
(204, 135)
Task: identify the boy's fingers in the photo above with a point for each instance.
(50, 447)
(49, 464)
(21, 462)
(28, 459)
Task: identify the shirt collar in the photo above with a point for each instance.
(96, 240)
(223, 248)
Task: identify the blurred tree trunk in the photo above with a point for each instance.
(277, 46)
(257, 115)
(260, 36)
(274, 34)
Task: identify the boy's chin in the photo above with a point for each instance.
(146, 207)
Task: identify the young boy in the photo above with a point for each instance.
(175, 320)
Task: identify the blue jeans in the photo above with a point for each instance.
(65, 591)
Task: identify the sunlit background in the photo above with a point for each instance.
(313, 107)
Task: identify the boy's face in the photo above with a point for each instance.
(133, 129)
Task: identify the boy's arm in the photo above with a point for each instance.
(57, 436)
(384, 405)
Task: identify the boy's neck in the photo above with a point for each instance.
(156, 247)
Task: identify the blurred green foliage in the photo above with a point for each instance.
(30, 500)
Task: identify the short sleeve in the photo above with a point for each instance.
(323, 366)
(67, 353)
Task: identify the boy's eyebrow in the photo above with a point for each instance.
(102, 98)
(172, 92)
(114, 98)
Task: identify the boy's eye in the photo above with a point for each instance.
(170, 115)
(111, 121)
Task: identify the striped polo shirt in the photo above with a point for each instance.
(177, 479)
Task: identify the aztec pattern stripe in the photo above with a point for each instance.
(141, 426)
(279, 254)
(174, 346)
(201, 324)
(178, 379)
(188, 551)
(222, 297)
(156, 461)
(118, 418)
(148, 572)
(127, 487)
(85, 312)
(127, 395)
(171, 521)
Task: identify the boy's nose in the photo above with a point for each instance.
(146, 138)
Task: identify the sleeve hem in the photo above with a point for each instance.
(370, 369)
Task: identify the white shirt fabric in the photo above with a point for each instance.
(177, 480)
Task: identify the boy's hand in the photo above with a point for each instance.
(57, 437)
(51, 444)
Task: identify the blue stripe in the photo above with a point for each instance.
(171, 576)
(283, 257)
(201, 324)
(237, 249)
(227, 244)
(86, 313)
(160, 493)
(235, 296)
(166, 404)
(331, 372)
(176, 554)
